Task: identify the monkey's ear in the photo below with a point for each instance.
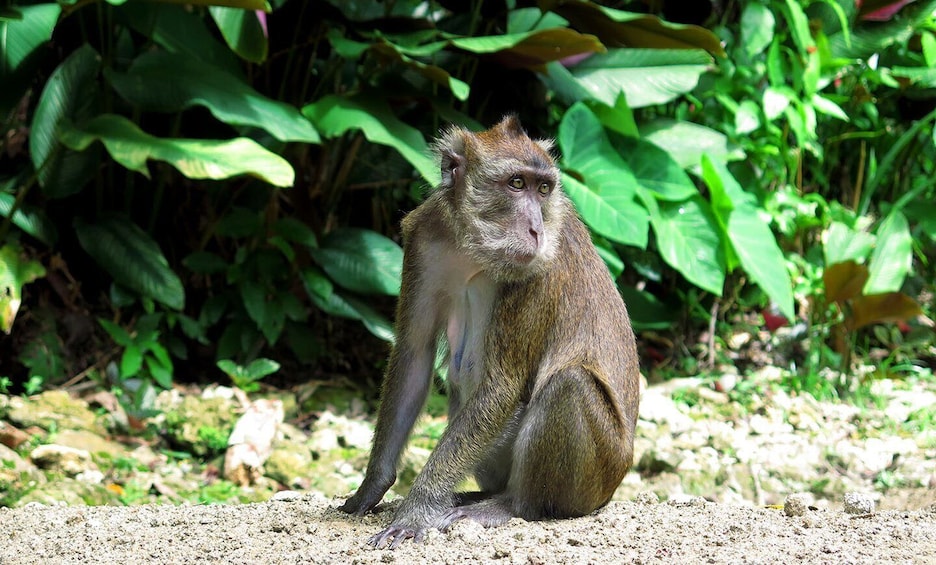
(546, 145)
(450, 148)
(511, 126)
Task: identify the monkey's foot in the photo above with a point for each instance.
(393, 536)
(488, 513)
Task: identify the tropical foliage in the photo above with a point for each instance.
(235, 171)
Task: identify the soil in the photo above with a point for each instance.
(308, 529)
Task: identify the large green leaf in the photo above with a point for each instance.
(198, 159)
(132, 258)
(841, 243)
(655, 170)
(326, 298)
(749, 235)
(686, 142)
(628, 225)
(180, 30)
(361, 260)
(617, 28)
(243, 31)
(167, 82)
(335, 115)
(867, 40)
(69, 94)
(532, 49)
(587, 150)
(688, 239)
(646, 76)
(892, 257)
(19, 53)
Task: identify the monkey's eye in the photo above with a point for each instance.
(516, 183)
(545, 189)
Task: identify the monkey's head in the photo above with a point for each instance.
(506, 197)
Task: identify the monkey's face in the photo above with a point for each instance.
(507, 193)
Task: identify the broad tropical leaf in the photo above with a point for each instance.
(892, 257)
(335, 115)
(243, 31)
(198, 159)
(646, 76)
(628, 225)
(749, 235)
(361, 260)
(69, 94)
(16, 271)
(167, 82)
(19, 40)
(686, 142)
(132, 258)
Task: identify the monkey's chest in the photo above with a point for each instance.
(468, 320)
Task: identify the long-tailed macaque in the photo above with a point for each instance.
(542, 365)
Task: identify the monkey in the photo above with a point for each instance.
(543, 374)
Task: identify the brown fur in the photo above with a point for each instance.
(543, 369)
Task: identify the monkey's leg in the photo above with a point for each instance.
(569, 455)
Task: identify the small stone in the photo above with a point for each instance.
(858, 503)
(686, 500)
(286, 496)
(647, 498)
(796, 504)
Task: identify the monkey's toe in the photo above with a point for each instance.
(488, 513)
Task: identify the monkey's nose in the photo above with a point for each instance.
(535, 235)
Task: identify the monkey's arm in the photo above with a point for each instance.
(405, 386)
(405, 389)
(462, 445)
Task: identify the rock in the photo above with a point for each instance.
(53, 409)
(287, 496)
(200, 425)
(657, 406)
(62, 459)
(251, 441)
(70, 492)
(858, 503)
(290, 463)
(11, 436)
(647, 498)
(796, 504)
(89, 441)
(331, 431)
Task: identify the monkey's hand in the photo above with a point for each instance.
(366, 497)
(392, 536)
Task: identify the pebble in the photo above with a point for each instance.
(858, 503)
(796, 504)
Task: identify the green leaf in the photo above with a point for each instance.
(928, 44)
(747, 118)
(117, 333)
(205, 263)
(132, 258)
(686, 142)
(646, 311)
(655, 170)
(166, 82)
(361, 260)
(30, 219)
(841, 243)
(757, 29)
(198, 159)
(799, 26)
(15, 272)
(259, 368)
(20, 53)
(337, 304)
(892, 257)
(617, 28)
(628, 225)
(160, 373)
(178, 29)
(749, 235)
(532, 49)
(865, 41)
(646, 76)
(69, 94)
(131, 361)
(336, 115)
(586, 149)
(242, 31)
(295, 231)
(828, 107)
(230, 368)
(688, 239)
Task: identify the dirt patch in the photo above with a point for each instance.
(308, 529)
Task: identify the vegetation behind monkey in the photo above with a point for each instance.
(542, 367)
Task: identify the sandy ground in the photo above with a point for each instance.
(308, 529)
